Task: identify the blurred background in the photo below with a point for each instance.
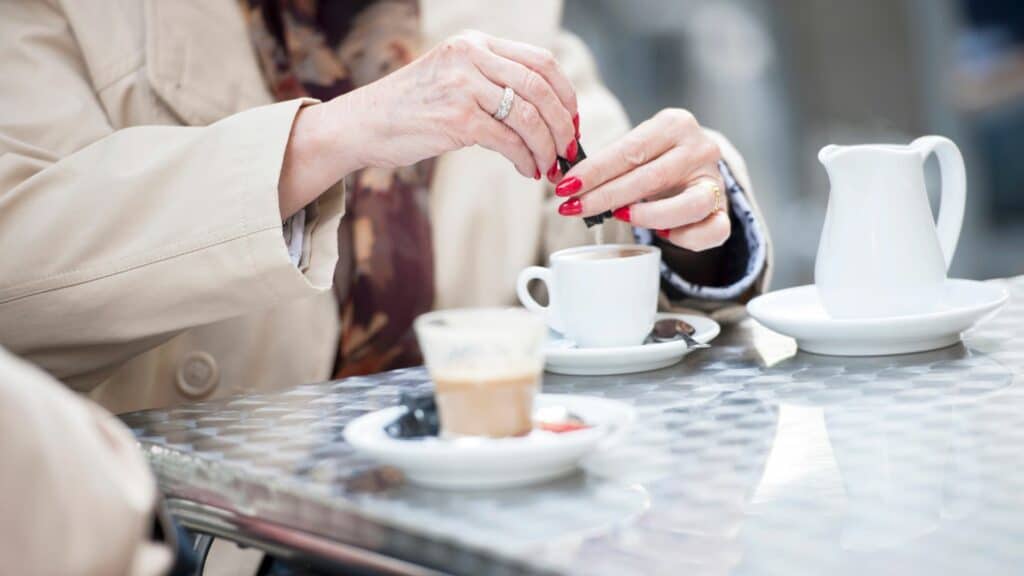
(782, 78)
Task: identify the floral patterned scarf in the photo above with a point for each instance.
(384, 279)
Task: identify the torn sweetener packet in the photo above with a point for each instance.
(565, 165)
(596, 219)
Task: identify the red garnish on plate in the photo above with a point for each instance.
(562, 427)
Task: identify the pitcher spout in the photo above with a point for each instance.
(826, 154)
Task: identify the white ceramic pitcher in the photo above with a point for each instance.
(881, 254)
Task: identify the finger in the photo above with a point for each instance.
(649, 140)
(690, 206)
(709, 233)
(640, 146)
(525, 119)
(666, 172)
(542, 62)
(498, 137)
(533, 87)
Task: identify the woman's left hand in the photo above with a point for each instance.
(662, 175)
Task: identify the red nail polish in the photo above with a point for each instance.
(571, 207)
(569, 186)
(576, 124)
(622, 213)
(536, 174)
(663, 233)
(553, 171)
(571, 151)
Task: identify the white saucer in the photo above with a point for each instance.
(486, 463)
(563, 357)
(798, 313)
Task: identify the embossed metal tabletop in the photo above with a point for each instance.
(750, 458)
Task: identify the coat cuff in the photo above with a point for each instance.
(745, 251)
(294, 231)
(319, 243)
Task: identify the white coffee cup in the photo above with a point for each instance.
(598, 296)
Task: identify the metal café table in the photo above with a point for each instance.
(750, 458)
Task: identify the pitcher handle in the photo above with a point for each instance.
(523, 291)
(954, 190)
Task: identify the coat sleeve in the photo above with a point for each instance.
(76, 495)
(748, 253)
(112, 239)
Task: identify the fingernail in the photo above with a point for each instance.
(536, 174)
(576, 124)
(571, 151)
(663, 233)
(622, 213)
(553, 171)
(569, 186)
(571, 207)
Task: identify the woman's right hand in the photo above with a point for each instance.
(446, 100)
(442, 101)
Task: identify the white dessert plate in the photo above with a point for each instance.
(490, 463)
(561, 356)
(798, 313)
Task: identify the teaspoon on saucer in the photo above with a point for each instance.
(669, 329)
(562, 356)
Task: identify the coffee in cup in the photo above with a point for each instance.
(598, 296)
(486, 367)
(485, 403)
(607, 254)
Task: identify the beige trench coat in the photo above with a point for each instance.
(76, 496)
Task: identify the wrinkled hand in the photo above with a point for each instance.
(662, 175)
(446, 99)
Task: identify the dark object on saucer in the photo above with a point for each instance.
(564, 165)
(420, 419)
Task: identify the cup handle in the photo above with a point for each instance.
(954, 190)
(523, 291)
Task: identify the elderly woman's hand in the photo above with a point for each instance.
(442, 101)
(447, 99)
(663, 175)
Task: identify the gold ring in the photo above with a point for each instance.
(718, 198)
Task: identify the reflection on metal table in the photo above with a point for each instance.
(749, 458)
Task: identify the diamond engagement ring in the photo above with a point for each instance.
(506, 104)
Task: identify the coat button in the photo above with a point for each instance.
(197, 374)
